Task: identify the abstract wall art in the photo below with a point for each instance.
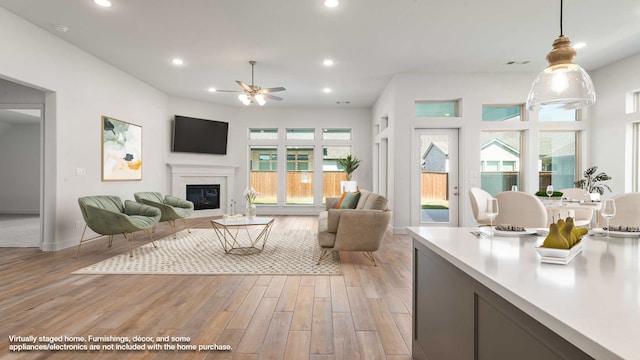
(121, 150)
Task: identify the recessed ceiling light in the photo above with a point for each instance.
(331, 3)
(103, 3)
(212, 89)
(327, 62)
(579, 45)
(61, 28)
(177, 61)
(326, 90)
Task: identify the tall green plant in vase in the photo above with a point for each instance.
(350, 163)
(592, 181)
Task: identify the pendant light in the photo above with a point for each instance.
(562, 85)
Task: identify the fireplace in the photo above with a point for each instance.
(204, 174)
(204, 196)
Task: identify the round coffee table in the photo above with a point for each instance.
(234, 241)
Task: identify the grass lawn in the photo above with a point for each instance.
(434, 207)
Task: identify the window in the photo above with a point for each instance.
(438, 108)
(636, 157)
(501, 156)
(332, 172)
(508, 166)
(558, 150)
(502, 113)
(552, 114)
(299, 175)
(263, 175)
(262, 134)
(300, 134)
(336, 134)
(298, 160)
(632, 102)
(289, 161)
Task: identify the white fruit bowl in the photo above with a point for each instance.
(558, 256)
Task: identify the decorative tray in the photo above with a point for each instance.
(558, 256)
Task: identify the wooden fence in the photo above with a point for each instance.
(435, 186)
(299, 185)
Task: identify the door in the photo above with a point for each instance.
(436, 195)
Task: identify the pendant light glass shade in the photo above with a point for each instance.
(562, 85)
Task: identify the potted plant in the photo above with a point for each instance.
(349, 163)
(592, 182)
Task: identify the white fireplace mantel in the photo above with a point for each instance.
(202, 174)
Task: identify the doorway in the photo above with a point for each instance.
(20, 140)
(436, 193)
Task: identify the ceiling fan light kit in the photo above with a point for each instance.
(251, 93)
(564, 84)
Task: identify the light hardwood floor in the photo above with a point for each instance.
(363, 314)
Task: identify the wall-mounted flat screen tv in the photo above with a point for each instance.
(194, 135)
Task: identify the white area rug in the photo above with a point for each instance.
(287, 252)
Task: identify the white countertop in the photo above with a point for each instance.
(593, 302)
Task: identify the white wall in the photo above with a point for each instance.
(611, 125)
(80, 89)
(20, 152)
(242, 118)
(474, 90)
(20, 164)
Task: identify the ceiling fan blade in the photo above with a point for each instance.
(218, 90)
(244, 86)
(272, 97)
(270, 90)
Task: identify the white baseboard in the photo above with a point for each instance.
(19, 212)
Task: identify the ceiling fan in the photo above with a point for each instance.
(255, 92)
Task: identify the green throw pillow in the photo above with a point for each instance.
(350, 200)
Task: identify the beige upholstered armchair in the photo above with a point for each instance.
(358, 229)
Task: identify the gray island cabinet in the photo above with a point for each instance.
(492, 298)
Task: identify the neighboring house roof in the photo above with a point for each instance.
(501, 144)
(430, 148)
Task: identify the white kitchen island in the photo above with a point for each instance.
(487, 297)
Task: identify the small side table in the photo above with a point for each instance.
(228, 230)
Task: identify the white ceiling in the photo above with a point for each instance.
(369, 40)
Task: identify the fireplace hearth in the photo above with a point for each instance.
(204, 196)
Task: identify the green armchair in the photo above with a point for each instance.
(171, 208)
(107, 216)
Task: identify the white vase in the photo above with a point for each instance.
(595, 196)
(350, 186)
(251, 210)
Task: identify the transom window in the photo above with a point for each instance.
(262, 134)
(502, 113)
(551, 114)
(336, 134)
(300, 134)
(438, 108)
